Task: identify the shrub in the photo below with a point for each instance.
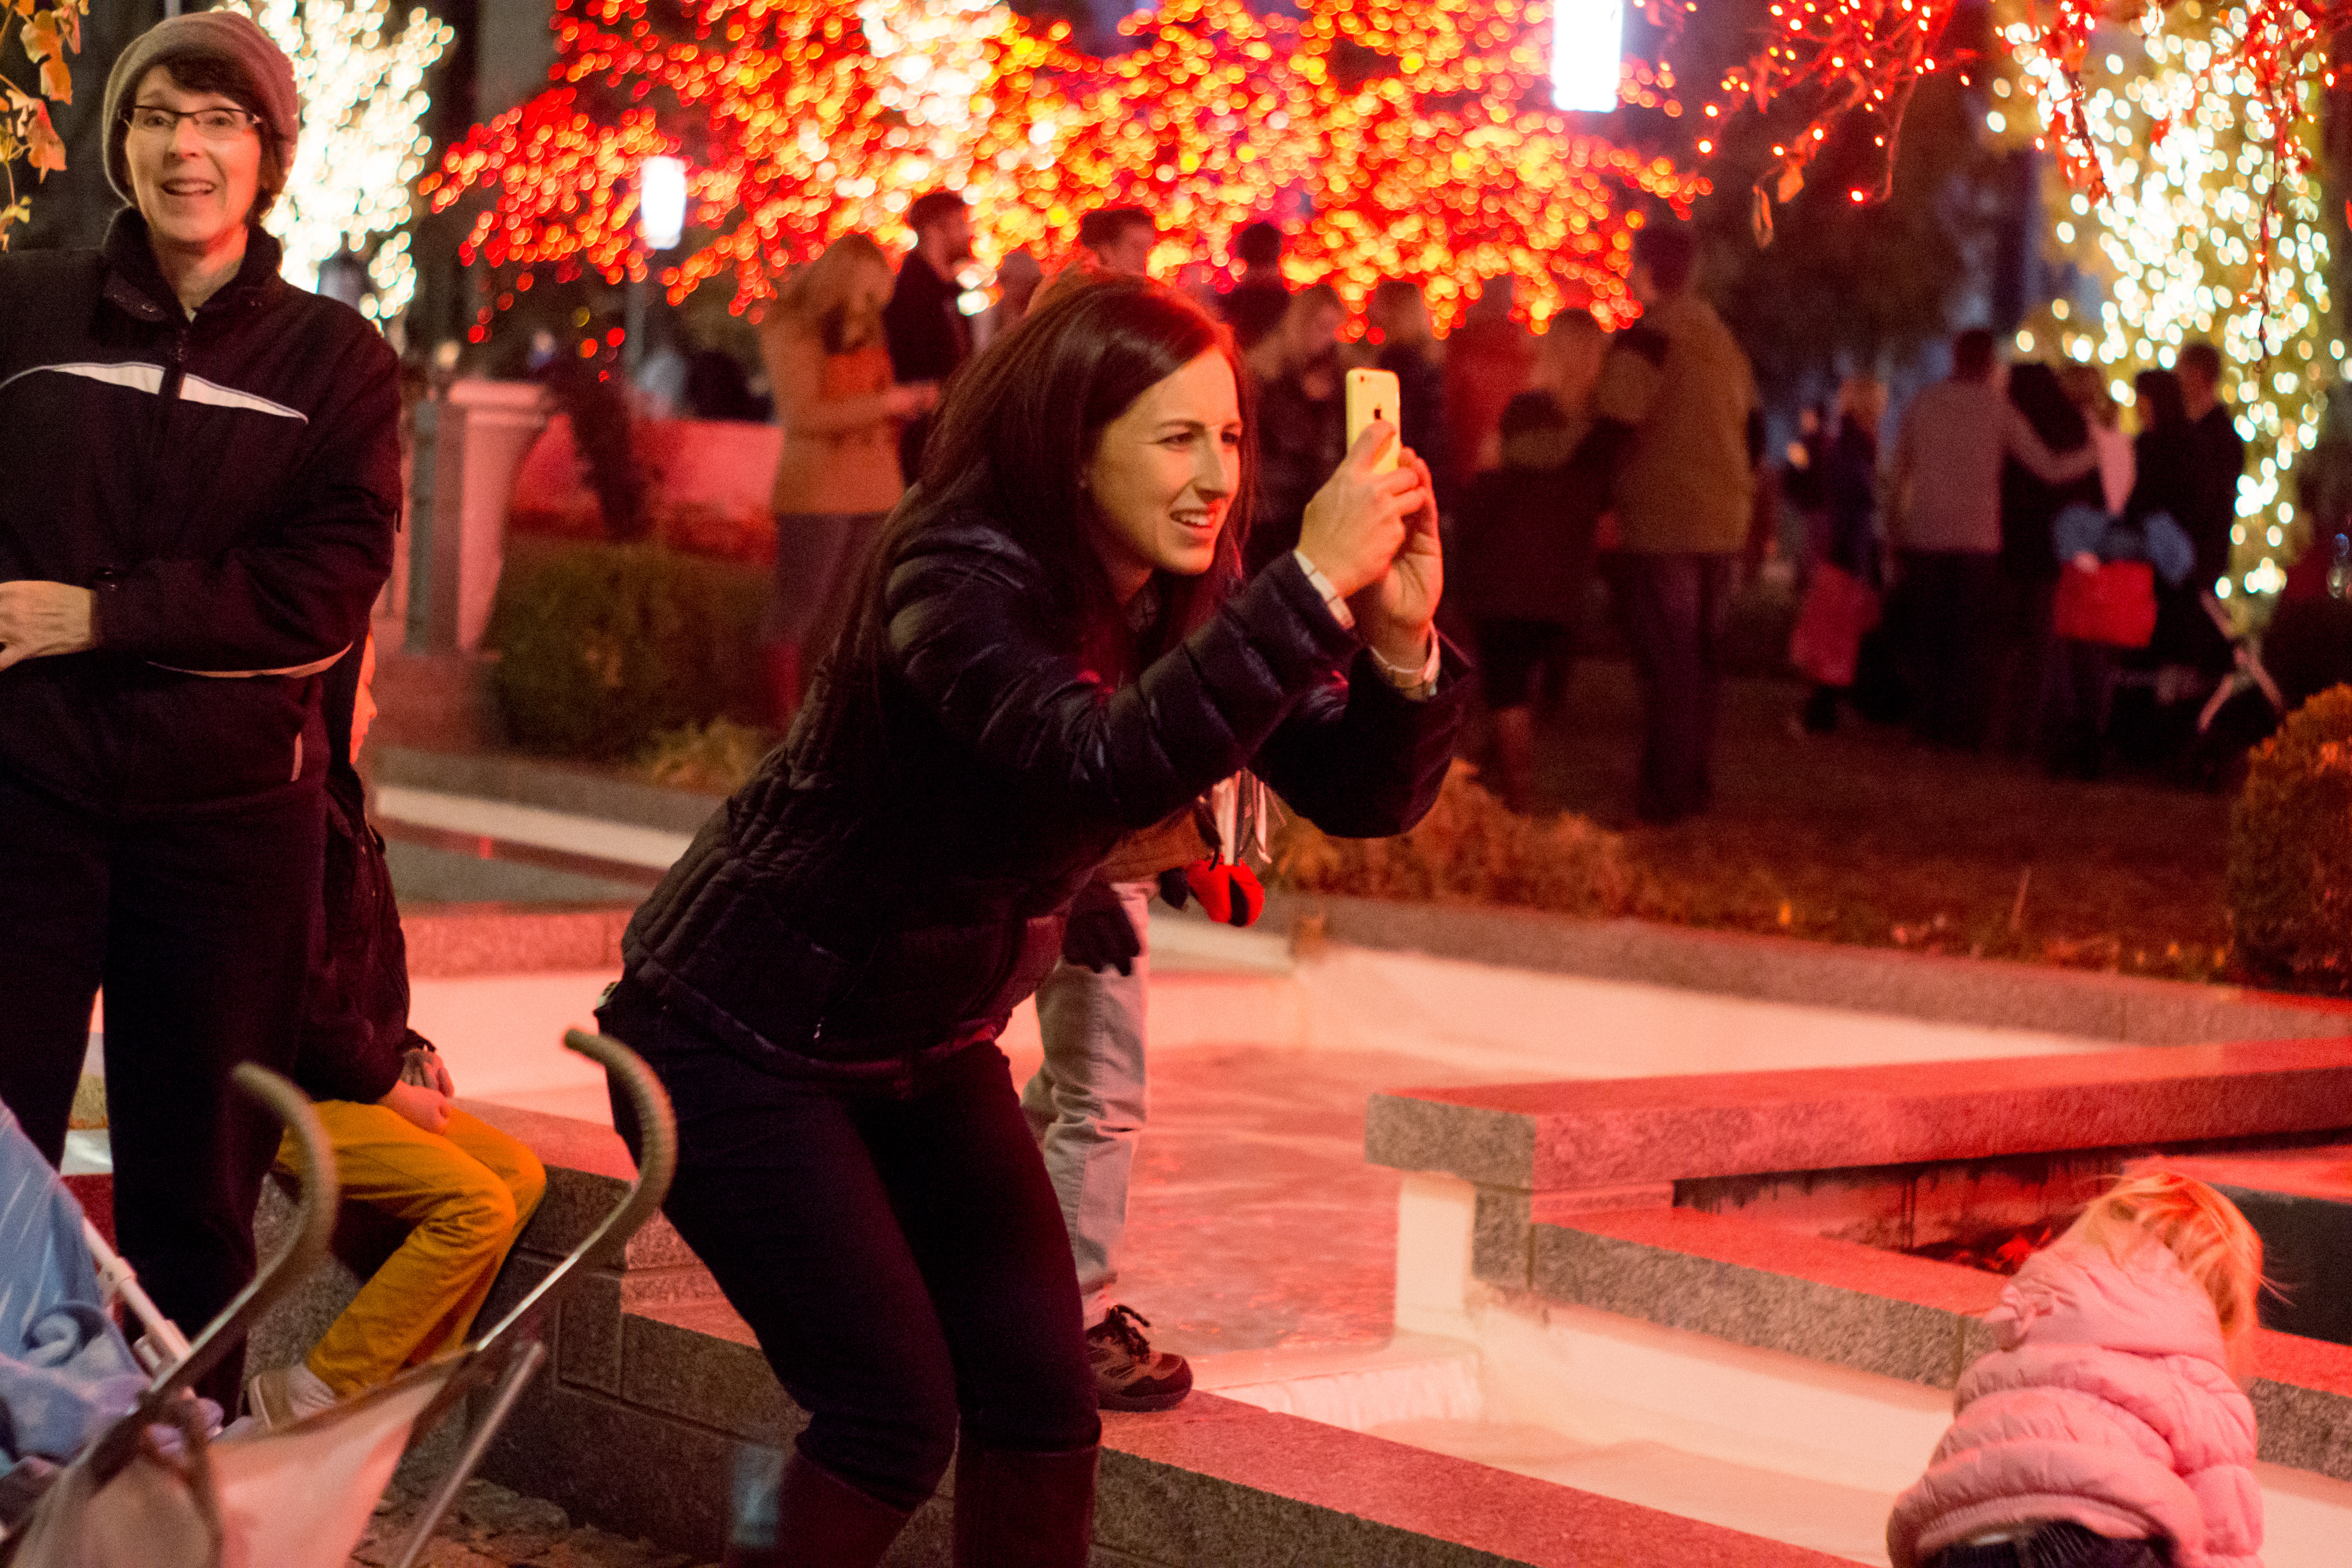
(603, 647)
(718, 758)
(2290, 878)
(1469, 848)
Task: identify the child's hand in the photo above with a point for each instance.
(427, 1107)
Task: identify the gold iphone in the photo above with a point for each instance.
(1372, 394)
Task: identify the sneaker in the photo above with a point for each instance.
(284, 1396)
(1128, 1374)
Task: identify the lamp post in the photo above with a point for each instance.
(661, 224)
(1588, 51)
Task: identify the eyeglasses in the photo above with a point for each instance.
(212, 124)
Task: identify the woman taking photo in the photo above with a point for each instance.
(1050, 649)
(838, 475)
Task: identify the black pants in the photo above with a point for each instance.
(1672, 607)
(1946, 603)
(900, 1252)
(199, 927)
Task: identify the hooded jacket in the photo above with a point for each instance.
(226, 484)
(843, 919)
(2108, 1403)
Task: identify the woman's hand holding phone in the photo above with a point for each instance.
(1357, 522)
(1396, 612)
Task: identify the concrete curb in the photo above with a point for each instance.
(1992, 992)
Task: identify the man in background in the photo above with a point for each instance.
(1680, 427)
(1259, 298)
(924, 325)
(1118, 240)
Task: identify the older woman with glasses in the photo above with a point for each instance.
(199, 475)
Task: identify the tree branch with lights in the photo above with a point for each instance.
(46, 34)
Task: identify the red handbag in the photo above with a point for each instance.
(1839, 610)
(2114, 603)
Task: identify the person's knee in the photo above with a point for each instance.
(476, 1216)
(893, 1450)
(526, 1178)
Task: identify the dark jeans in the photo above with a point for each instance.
(2022, 663)
(2081, 699)
(199, 927)
(1947, 602)
(1672, 607)
(898, 1251)
(2061, 1544)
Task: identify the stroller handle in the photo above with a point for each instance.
(313, 1227)
(656, 1162)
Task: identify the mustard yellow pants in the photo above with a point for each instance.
(466, 1192)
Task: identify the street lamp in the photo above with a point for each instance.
(661, 224)
(661, 202)
(1588, 49)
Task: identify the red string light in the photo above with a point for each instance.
(1401, 129)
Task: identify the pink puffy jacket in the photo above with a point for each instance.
(2109, 1404)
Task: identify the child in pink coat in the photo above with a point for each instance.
(2106, 1431)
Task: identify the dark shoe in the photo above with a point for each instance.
(821, 1522)
(1025, 1510)
(1128, 1374)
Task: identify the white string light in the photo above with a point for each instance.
(354, 177)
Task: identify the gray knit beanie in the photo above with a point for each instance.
(213, 35)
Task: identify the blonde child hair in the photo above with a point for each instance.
(2203, 1229)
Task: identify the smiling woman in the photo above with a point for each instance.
(199, 470)
(1050, 648)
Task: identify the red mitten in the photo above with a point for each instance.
(1232, 894)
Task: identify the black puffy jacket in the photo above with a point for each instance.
(227, 485)
(823, 924)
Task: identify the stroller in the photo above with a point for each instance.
(149, 1490)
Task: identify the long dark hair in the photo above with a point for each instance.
(2038, 394)
(1011, 443)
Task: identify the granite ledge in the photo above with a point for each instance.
(2302, 1388)
(1586, 1134)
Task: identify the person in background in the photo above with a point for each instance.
(924, 324)
(2082, 684)
(1302, 418)
(1256, 302)
(837, 474)
(2187, 635)
(1524, 543)
(1489, 361)
(2027, 584)
(183, 556)
(1017, 276)
(1409, 351)
(2108, 1429)
(1946, 527)
(2088, 387)
(1679, 430)
(1118, 240)
(1846, 471)
(465, 1189)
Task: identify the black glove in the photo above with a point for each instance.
(1099, 935)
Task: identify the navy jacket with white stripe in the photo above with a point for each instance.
(228, 485)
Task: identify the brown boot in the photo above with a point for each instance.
(783, 666)
(1024, 1510)
(821, 1522)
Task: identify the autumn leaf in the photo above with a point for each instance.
(41, 37)
(1793, 180)
(68, 22)
(57, 81)
(24, 7)
(47, 149)
(1760, 217)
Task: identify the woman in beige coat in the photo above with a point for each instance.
(838, 474)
